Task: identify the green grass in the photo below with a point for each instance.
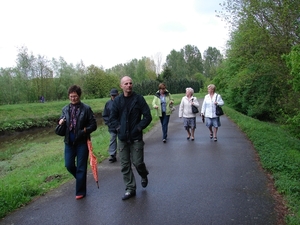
(33, 167)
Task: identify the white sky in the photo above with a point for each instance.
(107, 32)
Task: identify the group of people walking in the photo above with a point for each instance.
(127, 115)
(208, 112)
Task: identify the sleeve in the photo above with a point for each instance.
(203, 106)
(114, 116)
(171, 97)
(105, 113)
(180, 113)
(196, 103)
(154, 102)
(146, 114)
(92, 123)
(220, 100)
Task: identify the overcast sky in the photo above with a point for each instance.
(107, 32)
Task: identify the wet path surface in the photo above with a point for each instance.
(190, 182)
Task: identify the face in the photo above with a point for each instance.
(126, 85)
(74, 98)
(162, 90)
(188, 93)
(210, 90)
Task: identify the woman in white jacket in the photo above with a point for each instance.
(185, 111)
(208, 110)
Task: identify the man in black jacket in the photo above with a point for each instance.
(130, 114)
(112, 150)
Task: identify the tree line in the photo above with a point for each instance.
(260, 76)
(34, 77)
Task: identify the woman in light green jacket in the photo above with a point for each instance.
(161, 102)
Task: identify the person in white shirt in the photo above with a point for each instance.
(208, 110)
(185, 111)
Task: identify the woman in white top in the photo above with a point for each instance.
(185, 111)
(211, 100)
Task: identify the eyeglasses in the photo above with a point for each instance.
(73, 96)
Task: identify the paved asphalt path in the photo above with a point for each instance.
(190, 182)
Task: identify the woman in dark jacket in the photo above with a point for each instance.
(80, 122)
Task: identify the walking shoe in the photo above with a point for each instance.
(112, 159)
(144, 182)
(164, 140)
(128, 195)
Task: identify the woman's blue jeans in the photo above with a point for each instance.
(77, 153)
(164, 120)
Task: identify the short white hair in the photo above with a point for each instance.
(190, 90)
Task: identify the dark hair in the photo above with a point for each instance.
(162, 86)
(74, 88)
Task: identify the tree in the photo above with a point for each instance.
(167, 74)
(254, 76)
(98, 83)
(212, 60)
(175, 61)
(193, 60)
(185, 63)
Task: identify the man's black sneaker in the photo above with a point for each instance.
(128, 195)
(144, 182)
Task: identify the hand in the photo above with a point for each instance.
(156, 107)
(61, 121)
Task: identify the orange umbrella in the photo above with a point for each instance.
(93, 161)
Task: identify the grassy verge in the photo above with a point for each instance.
(38, 165)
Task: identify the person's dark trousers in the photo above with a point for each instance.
(78, 152)
(112, 150)
(134, 151)
(164, 120)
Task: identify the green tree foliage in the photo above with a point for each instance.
(149, 87)
(97, 83)
(185, 63)
(138, 70)
(193, 60)
(212, 60)
(175, 61)
(64, 77)
(166, 74)
(36, 76)
(293, 62)
(254, 76)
